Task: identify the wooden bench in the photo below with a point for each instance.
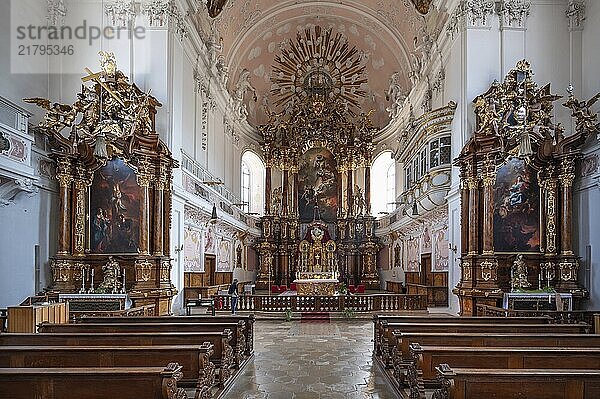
(401, 353)
(198, 370)
(380, 320)
(389, 341)
(464, 383)
(92, 383)
(422, 372)
(247, 319)
(223, 357)
(238, 341)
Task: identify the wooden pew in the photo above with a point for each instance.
(465, 383)
(198, 370)
(401, 352)
(238, 341)
(247, 319)
(389, 341)
(422, 372)
(379, 320)
(223, 357)
(92, 383)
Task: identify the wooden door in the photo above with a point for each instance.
(210, 263)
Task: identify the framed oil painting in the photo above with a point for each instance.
(317, 185)
(114, 209)
(516, 208)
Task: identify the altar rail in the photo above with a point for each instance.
(591, 317)
(313, 303)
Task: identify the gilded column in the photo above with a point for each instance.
(566, 178)
(159, 190)
(65, 179)
(82, 183)
(268, 188)
(489, 178)
(143, 179)
(473, 185)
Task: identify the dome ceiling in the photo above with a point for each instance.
(383, 31)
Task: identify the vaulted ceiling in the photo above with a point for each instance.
(383, 30)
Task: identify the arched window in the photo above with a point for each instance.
(253, 183)
(383, 183)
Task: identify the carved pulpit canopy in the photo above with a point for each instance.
(517, 173)
(114, 176)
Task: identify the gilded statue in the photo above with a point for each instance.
(359, 201)
(110, 277)
(276, 201)
(518, 274)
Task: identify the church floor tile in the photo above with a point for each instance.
(295, 360)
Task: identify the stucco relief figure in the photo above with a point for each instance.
(242, 87)
(396, 95)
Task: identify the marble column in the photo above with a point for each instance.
(295, 190)
(488, 213)
(144, 183)
(368, 189)
(340, 192)
(473, 215)
(349, 192)
(285, 191)
(268, 189)
(159, 187)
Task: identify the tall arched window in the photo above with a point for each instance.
(383, 183)
(253, 183)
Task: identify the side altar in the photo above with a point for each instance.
(517, 173)
(114, 176)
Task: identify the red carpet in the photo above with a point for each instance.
(315, 317)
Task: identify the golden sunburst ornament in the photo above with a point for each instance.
(320, 65)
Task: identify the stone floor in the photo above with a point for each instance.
(296, 360)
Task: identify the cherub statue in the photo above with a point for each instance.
(395, 94)
(518, 274)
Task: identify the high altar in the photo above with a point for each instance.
(517, 174)
(318, 141)
(114, 176)
(317, 264)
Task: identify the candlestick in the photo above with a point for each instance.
(540, 281)
(83, 278)
(91, 290)
(123, 288)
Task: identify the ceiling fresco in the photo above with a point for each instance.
(385, 33)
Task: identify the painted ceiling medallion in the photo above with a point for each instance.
(422, 6)
(320, 65)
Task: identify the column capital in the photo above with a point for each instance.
(470, 14)
(576, 14)
(513, 13)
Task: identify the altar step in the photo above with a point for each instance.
(315, 317)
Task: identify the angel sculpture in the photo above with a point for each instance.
(396, 95)
(586, 119)
(276, 201)
(58, 116)
(359, 201)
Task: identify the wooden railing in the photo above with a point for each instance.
(436, 296)
(146, 310)
(558, 317)
(311, 303)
